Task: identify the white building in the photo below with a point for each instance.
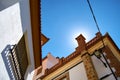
(90, 61)
(20, 39)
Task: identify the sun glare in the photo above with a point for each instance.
(76, 32)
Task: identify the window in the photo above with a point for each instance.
(22, 55)
(13, 65)
(64, 76)
(15, 59)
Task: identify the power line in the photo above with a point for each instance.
(95, 21)
(101, 37)
(93, 16)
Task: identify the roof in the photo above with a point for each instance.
(75, 54)
(44, 39)
(36, 31)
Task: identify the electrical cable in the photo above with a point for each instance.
(95, 20)
(101, 37)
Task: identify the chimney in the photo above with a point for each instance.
(98, 35)
(81, 43)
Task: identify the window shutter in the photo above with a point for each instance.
(22, 56)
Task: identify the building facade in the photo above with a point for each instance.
(98, 59)
(20, 48)
(20, 39)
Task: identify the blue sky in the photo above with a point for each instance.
(64, 20)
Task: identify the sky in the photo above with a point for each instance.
(64, 20)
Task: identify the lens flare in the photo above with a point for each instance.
(75, 33)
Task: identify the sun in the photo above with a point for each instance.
(76, 32)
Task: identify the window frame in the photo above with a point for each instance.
(65, 75)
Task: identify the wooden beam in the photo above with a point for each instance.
(36, 31)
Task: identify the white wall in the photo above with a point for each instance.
(51, 61)
(26, 28)
(78, 72)
(14, 21)
(101, 69)
(10, 32)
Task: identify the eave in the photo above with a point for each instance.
(44, 39)
(36, 31)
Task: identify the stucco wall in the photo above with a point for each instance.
(51, 61)
(26, 28)
(48, 62)
(10, 32)
(101, 69)
(14, 22)
(78, 72)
